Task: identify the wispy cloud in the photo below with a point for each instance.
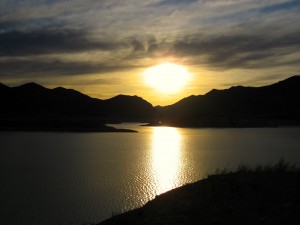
(48, 41)
(75, 37)
(239, 50)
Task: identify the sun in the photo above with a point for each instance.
(167, 77)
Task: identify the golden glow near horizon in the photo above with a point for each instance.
(166, 142)
(167, 77)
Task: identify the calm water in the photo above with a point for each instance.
(77, 178)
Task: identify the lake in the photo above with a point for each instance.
(79, 178)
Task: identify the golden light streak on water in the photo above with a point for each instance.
(166, 154)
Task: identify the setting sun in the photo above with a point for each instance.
(167, 77)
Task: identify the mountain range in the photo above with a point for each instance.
(272, 105)
(36, 108)
(34, 99)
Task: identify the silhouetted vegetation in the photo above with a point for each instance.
(281, 166)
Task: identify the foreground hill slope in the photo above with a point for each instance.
(269, 197)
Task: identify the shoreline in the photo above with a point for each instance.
(57, 124)
(107, 129)
(237, 124)
(266, 195)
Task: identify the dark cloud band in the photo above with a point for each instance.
(16, 43)
(238, 51)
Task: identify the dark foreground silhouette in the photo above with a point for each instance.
(268, 196)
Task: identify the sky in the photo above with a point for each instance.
(102, 47)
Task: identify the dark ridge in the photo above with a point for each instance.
(30, 87)
(70, 92)
(291, 81)
(36, 108)
(4, 87)
(63, 90)
(129, 108)
(273, 105)
(127, 97)
(192, 99)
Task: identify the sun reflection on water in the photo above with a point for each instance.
(166, 143)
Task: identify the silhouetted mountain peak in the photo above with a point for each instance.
(279, 100)
(3, 87)
(188, 100)
(239, 106)
(129, 107)
(233, 89)
(295, 78)
(239, 87)
(291, 82)
(212, 92)
(67, 91)
(121, 96)
(31, 86)
(127, 98)
(189, 97)
(59, 88)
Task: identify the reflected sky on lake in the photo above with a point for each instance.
(166, 158)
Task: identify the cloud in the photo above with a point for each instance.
(282, 6)
(69, 52)
(71, 37)
(172, 2)
(47, 41)
(23, 68)
(239, 51)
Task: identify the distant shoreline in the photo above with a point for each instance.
(235, 124)
(57, 124)
(191, 126)
(66, 129)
